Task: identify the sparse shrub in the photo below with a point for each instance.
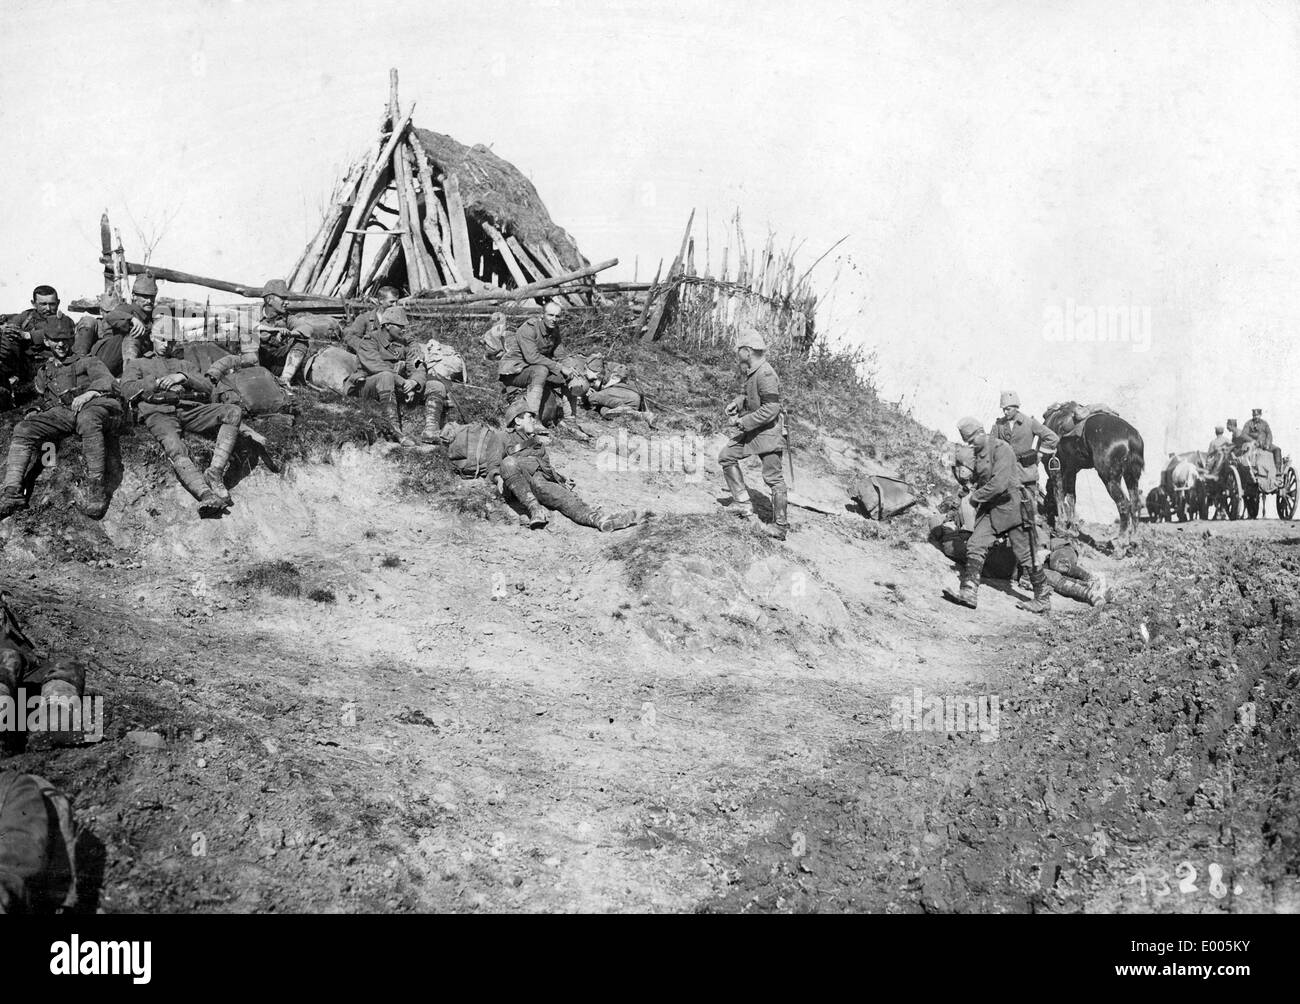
(322, 595)
(279, 577)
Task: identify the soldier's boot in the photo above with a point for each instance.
(1042, 601)
(433, 411)
(12, 497)
(291, 363)
(619, 519)
(394, 417)
(780, 524)
(96, 501)
(1096, 583)
(62, 699)
(215, 475)
(968, 593)
(740, 504)
(210, 503)
(537, 515)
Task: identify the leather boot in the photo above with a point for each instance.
(968, 595)
(210, 503)
(780, 520)
(96, 503)
(740, 506)
(620, 519)
(1042, 601)
(1097, 589)
(1074, 589)
(394, 417)
(291, 363)
(537, 515)
(11, 500)
(215, 475)
(433, 412)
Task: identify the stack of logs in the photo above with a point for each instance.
(397, 194)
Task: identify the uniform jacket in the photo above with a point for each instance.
(1219, 443)
(997, 475)
(762, 424)
(362, 324)
(379, 352)
(36, 327)
(280, 326)
(478, 450)
(1260, 431)
(1020, 433)
(141, 376)
(58, 383)
(531, 345)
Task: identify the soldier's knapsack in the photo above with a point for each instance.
(494, 340)
(258, 390)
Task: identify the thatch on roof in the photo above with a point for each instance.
(434, 217)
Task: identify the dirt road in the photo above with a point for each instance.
(427, 709)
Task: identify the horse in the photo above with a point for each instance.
(1105, 443)
(1183, 482)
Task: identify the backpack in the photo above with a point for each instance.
(443, 361)
(331, 369)
(882, 496)
(257, 389)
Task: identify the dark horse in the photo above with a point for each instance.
(1108, 444)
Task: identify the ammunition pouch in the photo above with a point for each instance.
(1028, 458)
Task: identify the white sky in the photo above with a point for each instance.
(989, 160)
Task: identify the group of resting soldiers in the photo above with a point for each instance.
(994, 527)
(80, 378)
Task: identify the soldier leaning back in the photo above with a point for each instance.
(77, 396)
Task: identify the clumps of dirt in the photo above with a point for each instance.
(426, 475)
(322, 595)
(1160, 741)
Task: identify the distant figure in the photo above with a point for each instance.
(1259, 430)
(1221, 441)
(758, 430)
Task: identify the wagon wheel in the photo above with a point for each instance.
(1251, 499)
(1232, 492)
(1286, 494)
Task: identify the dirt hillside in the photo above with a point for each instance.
(369, 689)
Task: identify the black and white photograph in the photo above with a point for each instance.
(562, 457)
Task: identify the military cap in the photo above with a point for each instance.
(749, 337)
(395, 314)
(516, 408)
(1009, 398)
(145, 285)
(275, 287)
(968, 427)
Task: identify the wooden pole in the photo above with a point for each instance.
(459, 225)
(656, 319)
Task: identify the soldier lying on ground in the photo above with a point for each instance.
(23, 675)
(609, 392)
(1057, 552)
(123, 330)
(23, 338)
(389, 363)
(175, 396)
(76, 395)
(517, 462)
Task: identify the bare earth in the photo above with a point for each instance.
(685, 716)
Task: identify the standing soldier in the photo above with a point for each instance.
(23, 339)
(998, 511)
(281, 339)
(122, 332)
(759, 430)
(1019, 430)
(76, 392)
(176, 397)
(529, 359)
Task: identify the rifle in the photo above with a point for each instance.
(789, 450)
